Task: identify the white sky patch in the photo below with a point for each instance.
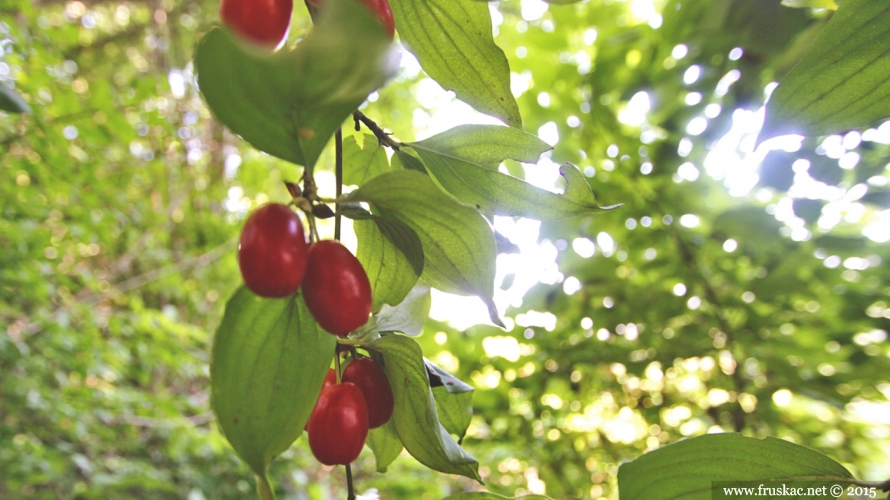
(532, 10)
(634, 114)
(549, 133)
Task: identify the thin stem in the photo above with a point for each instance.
(264, 489)
(338, 162)
(337, 366)
(382, 136)
(350, 490)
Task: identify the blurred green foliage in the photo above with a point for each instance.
(122, 201)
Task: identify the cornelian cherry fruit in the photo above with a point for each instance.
(273, 251)
(329, 380)
(380, 8)
(338, 426)
(336, 288)
(264, 22)
(370, 378)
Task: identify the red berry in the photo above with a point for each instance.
(370, 378)
(261, 21)
(273, 251)
(338, 425)
(379, 7)
(329, 380)
(336, 288)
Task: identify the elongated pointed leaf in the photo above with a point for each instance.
(687, 469)
(384, 442)
(361, 164)
(485, 145)
(842, 82)
(454, 399)
(415, 416)
(453, 42)
(11, 101)
(268, 363)
(391, 253)
(458, 244)
(495, 193)
(289, 103)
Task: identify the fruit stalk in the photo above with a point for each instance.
(338, 169)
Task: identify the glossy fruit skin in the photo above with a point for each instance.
(264, 22)
(338, 426)
(273, 251)
(380, 8)
(336, 288)
(329, 380)
(370, 378)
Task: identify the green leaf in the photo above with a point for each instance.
(484, 495)
(812, 4)
(407, 161)
(458, 244)
(11, 101)
(289, 103)
(453, 42)
(384, 442)
(688, 468)
(360, 164)
(454, 399)
(268, 363)
(841, 83)
(392, 255)
(496, 193)
(485, 145)
(409, 315)
(415, 415)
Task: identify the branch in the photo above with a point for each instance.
(382, 136)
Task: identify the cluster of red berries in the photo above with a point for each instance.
(266, 22)
(276, 261)
(339, 424)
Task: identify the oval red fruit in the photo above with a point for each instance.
(336, 288)
(338, 425)
(264, 22)
(380, 8)
(370, 378)
(273, 251)
(329, 380)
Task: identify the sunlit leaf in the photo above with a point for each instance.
(453, 42)
(415, 416)
(268, 363)
(289, 103)
(361, 164)
(688, 469)
(812, 4)
(391, 253)
(409, 315)
(841, 83)
(458, 244)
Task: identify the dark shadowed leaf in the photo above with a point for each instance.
(11, 101)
